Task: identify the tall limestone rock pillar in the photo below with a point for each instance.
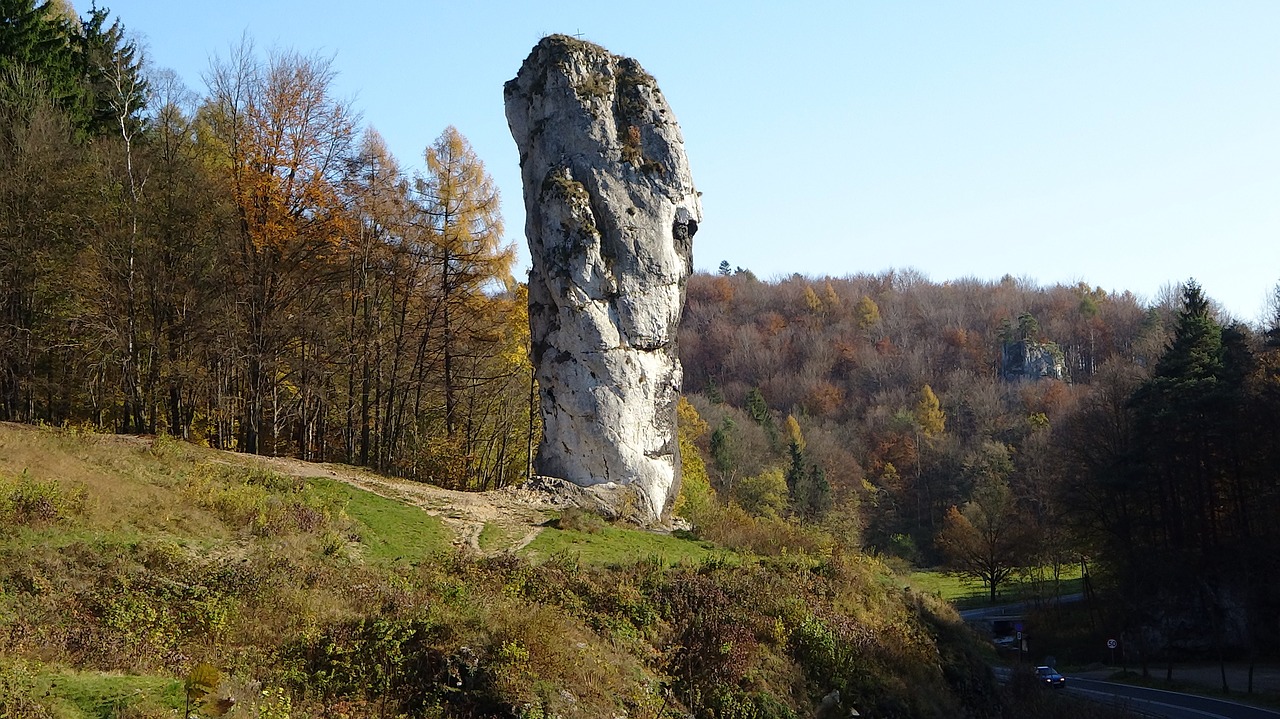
(611, 211)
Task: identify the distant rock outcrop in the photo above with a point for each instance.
(611, 211)
(1031, 360)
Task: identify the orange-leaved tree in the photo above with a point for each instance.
(460, 209)
(284, 138)
(986, 539)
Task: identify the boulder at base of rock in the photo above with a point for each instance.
(611, 211)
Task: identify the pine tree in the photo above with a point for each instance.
(1028, 327)
(722, 447)
(116, 91)
(1188, 456)
(759, 411)
(47, 189)
(818, 495)
(795, 470)
(90, 70)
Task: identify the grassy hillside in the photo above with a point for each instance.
(132, 571)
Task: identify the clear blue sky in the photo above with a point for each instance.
(1129, 145)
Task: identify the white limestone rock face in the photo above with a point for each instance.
(611, 211)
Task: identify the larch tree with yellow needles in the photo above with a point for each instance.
(461, 211)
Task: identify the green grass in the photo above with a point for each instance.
(948, 586)
(389, 529)
(616, 546)
(97, 695)
(967, 593)
(494, 536)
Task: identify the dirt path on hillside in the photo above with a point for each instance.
(515, 516)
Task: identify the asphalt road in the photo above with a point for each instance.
(1150, 702)
(1161, 703)
(1001, 610)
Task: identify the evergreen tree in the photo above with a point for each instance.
(47, 188)
(818, 499)
(721, 447)
(756, 406)
(1028, 327)
(713, 393)
(116, 92)
(1179, 445)
(1190, 366)
(795, 470)
(758, 410)
(40, 38)
(1199, 496)
(91, 72)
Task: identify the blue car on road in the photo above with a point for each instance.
(1050, 677)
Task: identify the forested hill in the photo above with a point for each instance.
(854, 364)
(883, 409)
(830, 346)
(849, 360)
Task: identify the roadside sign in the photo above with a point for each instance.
(1112, 644)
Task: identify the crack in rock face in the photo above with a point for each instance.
(611, 211)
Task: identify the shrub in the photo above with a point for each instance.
(146, 619)
(281, 600)
(166, 446)
(574, 519)
(734, 528)
(27, 502)
(764, 494)
(442, 461)
(265, 503)
(17, 694)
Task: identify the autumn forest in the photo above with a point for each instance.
(250, 269)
